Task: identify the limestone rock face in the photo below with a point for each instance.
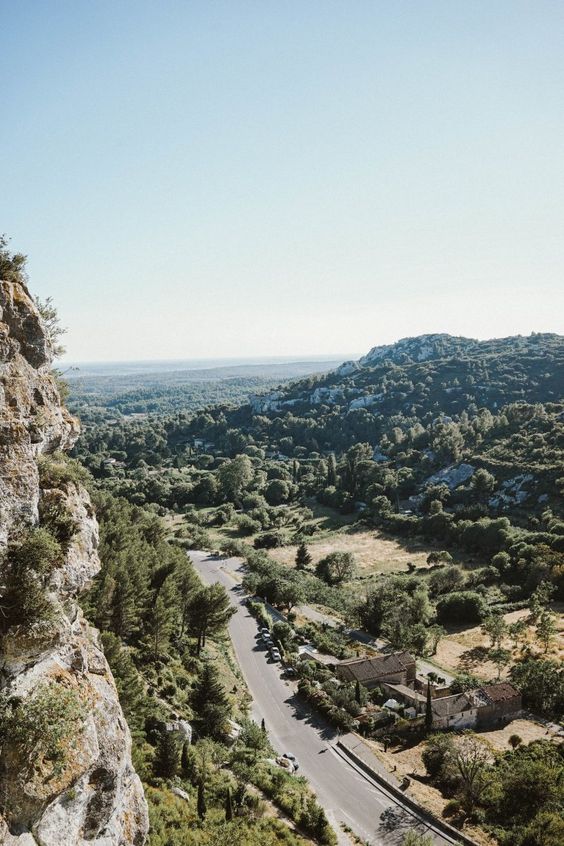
(95, 798)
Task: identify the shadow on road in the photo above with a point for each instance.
(304, 713)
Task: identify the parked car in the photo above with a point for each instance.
(292, 759)
(275, 654)
(266, 637)
(289, 673)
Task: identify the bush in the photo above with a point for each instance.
(247, 526)
(45, 726)
(462, 607)
(269, 540)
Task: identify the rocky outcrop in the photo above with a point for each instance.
(421, 348)
(90, 793)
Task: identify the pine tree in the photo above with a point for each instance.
(124, 612)
(210, 702)
(303, 557)
(202, 808)
(209, 612)
(228, 806)
(161, 620)
(166, 757)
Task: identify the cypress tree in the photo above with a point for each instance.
(303, 557)
(228, 806)
(358, 693)
(428, 709)
(202, 808)
(185, 763)
(332, 470)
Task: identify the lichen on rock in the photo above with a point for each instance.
(74, 784)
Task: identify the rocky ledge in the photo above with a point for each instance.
(66, 776)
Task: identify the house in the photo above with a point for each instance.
(497, 703)
(396, 668)
(411, 698)
(459, 711)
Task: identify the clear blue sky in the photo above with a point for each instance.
(270, 178)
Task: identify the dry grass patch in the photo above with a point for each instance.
(374, 553)
(466, 650)
(527, 730)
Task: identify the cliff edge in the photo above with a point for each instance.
(66, 776)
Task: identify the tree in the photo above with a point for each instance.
(210, 702)
(482, 483)
(429, 709)
(540, 599)
(167, 755)
(358, 693)
(437, 755)
(420, 609)
(160, 621)
(336, 567)
(185, 760)
(201, 802)
(542, 684)
(52, 324)
(500, 657)
(234, 476)
(496, 628)
(546, 629)
(517, 632)
(290, 594)
(470, 759)
(514, 741)
(434, 633)
(332, 470)
(228, 806)
(303, 557)
(209, 612)
(461, 607)
(277, 491)
(254, 738)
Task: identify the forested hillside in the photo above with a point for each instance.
(443, 444)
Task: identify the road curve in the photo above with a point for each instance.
(345, 793)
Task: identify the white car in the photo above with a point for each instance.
(275, 654)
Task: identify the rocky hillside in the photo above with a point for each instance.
(435, 371)
(66, 775)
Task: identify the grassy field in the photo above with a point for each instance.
(373, 551)
(466, 649)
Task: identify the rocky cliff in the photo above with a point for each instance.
(66, 777)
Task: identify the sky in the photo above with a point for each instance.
(205, 179)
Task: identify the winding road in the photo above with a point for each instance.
(345, 792)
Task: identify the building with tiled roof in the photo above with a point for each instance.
(396, 668)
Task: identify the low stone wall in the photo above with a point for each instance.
(392, 787)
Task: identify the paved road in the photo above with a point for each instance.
(424, 666)
(345, 793)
